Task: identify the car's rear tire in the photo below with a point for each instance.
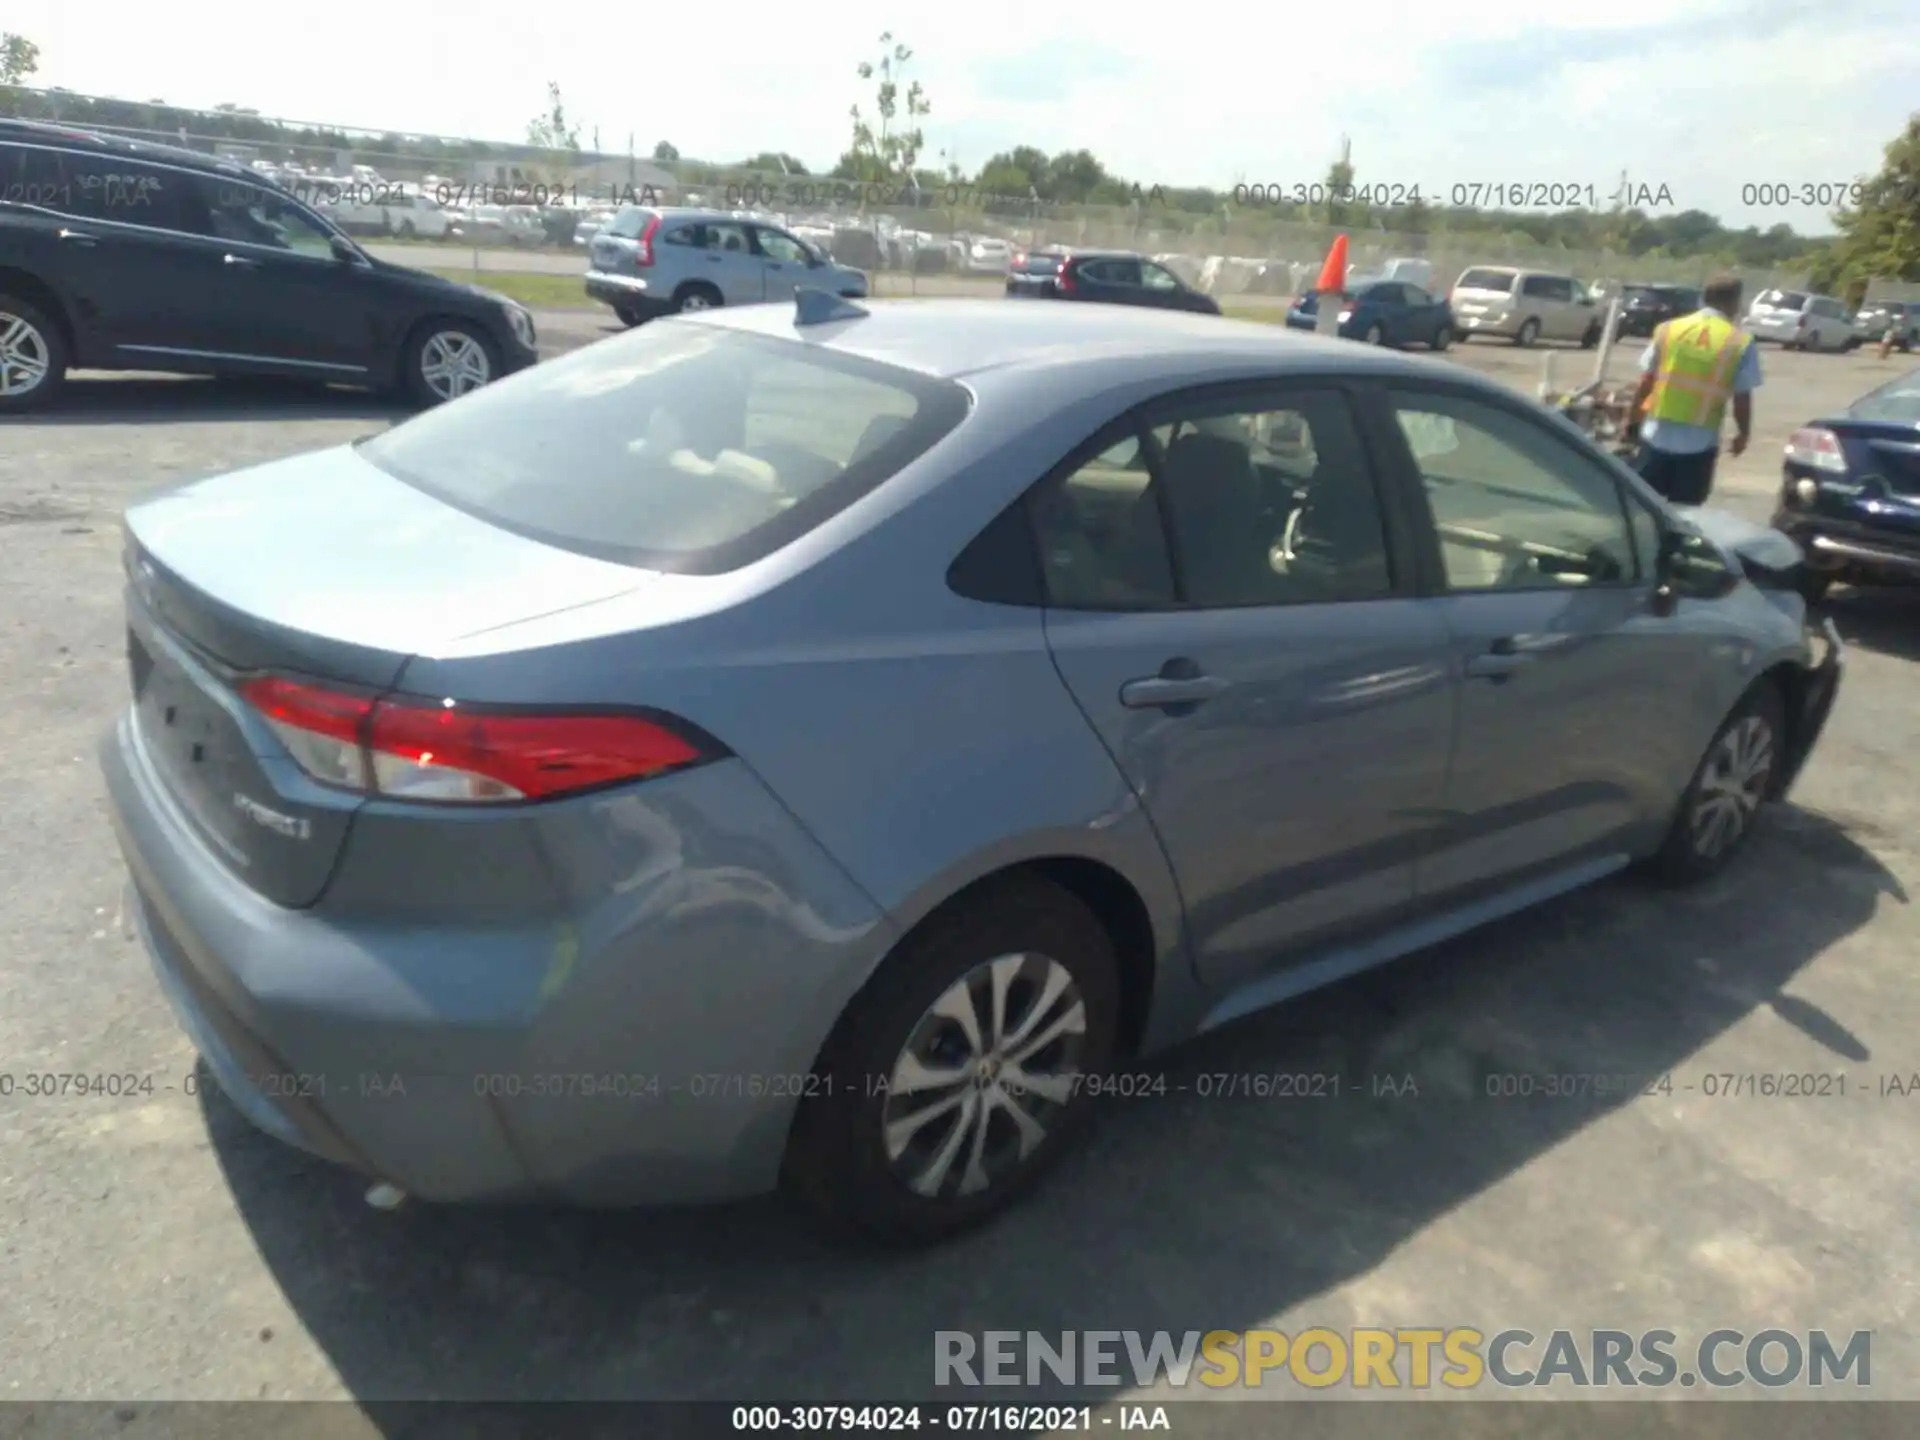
(1592, 337)
(628, 315)
(1376, 334)
(1528, 332)
(445, 359)
(1443, 337)
(871, 1162)
(695, 297)
(33, 356)
(1730, 787)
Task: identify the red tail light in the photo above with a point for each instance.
(1801, 322)
(652, 228)
(420, 750)
(1064, 279)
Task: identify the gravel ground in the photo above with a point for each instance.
(158, 1248)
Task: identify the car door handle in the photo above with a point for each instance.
(714, 259)
(1499, 660)
(80, 238)
(240, 262)
(1157, 691)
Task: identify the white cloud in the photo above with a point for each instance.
(1477, 91)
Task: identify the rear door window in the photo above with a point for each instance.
(1498, 281)
(34, 178)
(630, 222)
(679, 447)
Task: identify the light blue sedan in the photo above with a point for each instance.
(818, 745)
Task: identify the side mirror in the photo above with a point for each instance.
(344, 251)
(1692, 567)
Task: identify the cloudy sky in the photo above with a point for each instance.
(1702, 97)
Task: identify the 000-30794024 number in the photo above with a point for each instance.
(48, 1085)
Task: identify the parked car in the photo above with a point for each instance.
(1524, 306)
(512, 226)
(410, 216)
(1850, 490)
(1644, 308)
(651, 262)
(792, 747)
(121, 255)
(1875, 318)
(1800, 321)
(1112, 277)
(988, 256)
(1382, 312)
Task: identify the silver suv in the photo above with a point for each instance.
(652, 261)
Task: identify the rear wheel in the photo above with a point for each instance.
(33, 356)
(696, 297)
(1592, 337)
(1528, 332)
(960, 1074)
(1376, 334)
(1735, 779)
(629, 316)
(1443, 337)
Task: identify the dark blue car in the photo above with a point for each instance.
(1850, 490)
(1383, 312)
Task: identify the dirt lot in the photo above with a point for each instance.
(158, 1248)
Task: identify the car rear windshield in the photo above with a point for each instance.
(1500, 281)
(630, 222)
(1898, 401)
(682, 446)
(1782, 299)
(1040, 265)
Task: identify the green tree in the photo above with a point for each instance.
(774, 162)
(879, 149)
(19, 58)
(1880, 233)
(551, 130)
(665, 152)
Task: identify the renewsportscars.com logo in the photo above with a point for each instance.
(1460, 1358)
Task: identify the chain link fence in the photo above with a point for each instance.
(496, 207)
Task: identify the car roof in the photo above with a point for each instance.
(80, 137)
(950, 339)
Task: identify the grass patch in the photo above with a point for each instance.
(536, 291)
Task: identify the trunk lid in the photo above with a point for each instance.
(320, 567)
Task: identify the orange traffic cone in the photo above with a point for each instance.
(1333, 274)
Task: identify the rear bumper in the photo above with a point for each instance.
(626, 292)
(1837, 547)
(648, 1045)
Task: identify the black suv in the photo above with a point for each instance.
(120, 255)
(1113, 277)
(1644, 307)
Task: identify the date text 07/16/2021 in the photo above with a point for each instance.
(1459, 195)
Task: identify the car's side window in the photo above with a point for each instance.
(1098, 529)
(1515, 505)
(244, 214)
(34, 178)
(1417, 296)
(726, 237)
(1537, 286)
(1155, 278)
(682, 235)
(1273, 503)
(127, 192)
(781, 247)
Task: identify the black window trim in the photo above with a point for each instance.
(1229, 397)
(1383, 429)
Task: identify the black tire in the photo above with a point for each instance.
(696, 296)
(1443, 337)
(629, 316)
(1376, 334)
(1684, 858)
(1814, 584)
(1592, 337)
(1528, 332)
(407, 230)
(413, 357)
(837, 1165)
(48, 342)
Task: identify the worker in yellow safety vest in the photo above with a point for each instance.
(1696, 367)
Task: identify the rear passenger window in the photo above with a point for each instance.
(33, 178)
(125, 192)
(1102, 546)
(682, 235)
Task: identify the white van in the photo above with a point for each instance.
(1524, 306)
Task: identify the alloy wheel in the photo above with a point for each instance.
(984, 1075)
(696, 301)
(1733, 783)
(25, 356)
(454, 364)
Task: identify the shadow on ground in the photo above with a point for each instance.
(115, 400)
(1182, 1212)
(1885, 619)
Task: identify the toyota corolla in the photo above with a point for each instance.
(808, 747)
